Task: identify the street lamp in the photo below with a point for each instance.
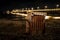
(57, 5)
(26, 8)
(8, 12)
(37, 7)
(45, 6)
(32, 8)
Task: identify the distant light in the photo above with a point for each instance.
(32, 8)
(13, 13)
(48, 17)
(8, 12)
(56, 17)
(45, 6)
(57, 5)
(15, 10)
(29, 11)
(20, 14)
(22, 8)
(37, 7)
(26, 8)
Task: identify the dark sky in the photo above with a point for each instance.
(11, 4)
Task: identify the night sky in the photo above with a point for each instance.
(10, 4)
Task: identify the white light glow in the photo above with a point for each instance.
(20, 14)
(37, 7)
(47, 17)
(45, 6)
(8, 12)
(32, 8)
(56, 17)
(57, 5)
